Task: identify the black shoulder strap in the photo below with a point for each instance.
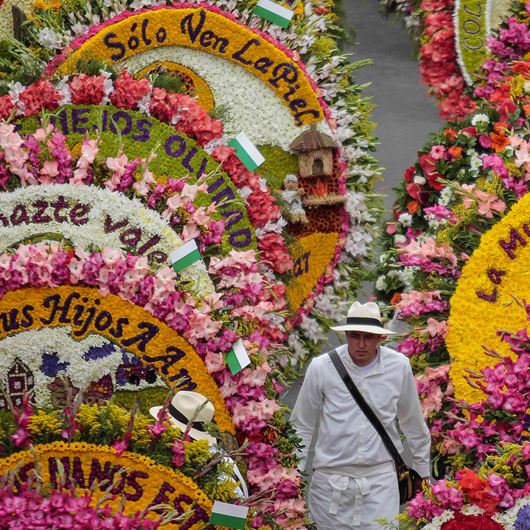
(368, 412)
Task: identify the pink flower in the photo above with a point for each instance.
(435, 328)
(448, 496)
(178, 450)
(120, 446)
(437, 152)
(487, 203)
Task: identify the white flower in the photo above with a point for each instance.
(50, 39)
(380, 284)
(445, 196)
(480, 119)
(64, 89)
(472, 509)
(405, 219)
(398, 239)
(311, 329)
(418, 179)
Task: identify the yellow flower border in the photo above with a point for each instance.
(483, 302)
(211, 32)
(161, 346)
(201, 89)
(312, 255)
(160, 480)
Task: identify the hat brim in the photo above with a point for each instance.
(193, 433)
(376, 330)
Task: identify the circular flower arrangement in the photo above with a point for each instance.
(454, 40)
(206, 323)
(469, 181)
(315, 37)
(251, 299)
(137, 480)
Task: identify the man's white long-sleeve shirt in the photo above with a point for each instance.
(346, 437)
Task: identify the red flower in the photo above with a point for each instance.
(471, 522)
(430, 171)
(128, 91)
(239, 174)
(409, 173)
(163, 105)
(262, 207)
(38, 96)
(470, 131)
(6, 107)
(87, 89)
(274, 250)
(478, 491)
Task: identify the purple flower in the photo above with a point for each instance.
(523, 519)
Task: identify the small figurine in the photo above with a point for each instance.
(292, 196)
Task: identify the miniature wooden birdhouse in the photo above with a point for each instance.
(315, 153)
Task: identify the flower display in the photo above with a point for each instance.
(205, 322)
(124, 173)
(148, 169)
(439, 68)
(488, 436)
(86, 472)
(61, 508)
(314, 36)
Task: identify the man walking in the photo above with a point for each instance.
(354, 480)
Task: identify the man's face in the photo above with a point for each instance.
(362, 346)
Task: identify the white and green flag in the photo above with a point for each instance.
(228, 515)
(237, 358)
(185, 255)
(271, 11)
(246, 151)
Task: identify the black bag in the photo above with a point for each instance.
(406, 475)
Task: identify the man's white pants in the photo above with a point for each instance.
(344, 502)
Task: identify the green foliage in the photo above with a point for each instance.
(146, 398)
(167, 81)
(94, 67)
(278, 163)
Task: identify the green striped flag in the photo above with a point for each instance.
(237, 358)
(271, 11)
(229, 515)
(185, 255)
(246, 151)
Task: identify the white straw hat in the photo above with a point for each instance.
(364, 317)
(186, 406)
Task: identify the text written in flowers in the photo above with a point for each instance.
(216, 34)
(517, 238)
(132, 482)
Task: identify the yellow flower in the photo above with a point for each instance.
(146, 481)
(88, 416)
(492, 279)
(223, 490)
(45, 5)
(43, 424)
(197, 453)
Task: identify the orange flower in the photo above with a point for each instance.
(396, 298)
(500, 141)
(450, 134)
(455, 151)
(413, 206)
